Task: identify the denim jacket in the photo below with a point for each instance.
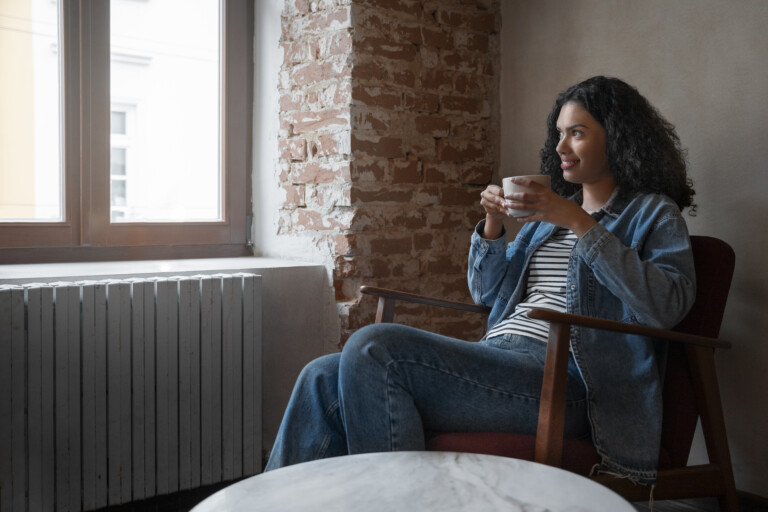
(634, 266)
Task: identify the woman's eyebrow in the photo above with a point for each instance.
(577, 125)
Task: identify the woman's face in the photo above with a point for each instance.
(582, 147)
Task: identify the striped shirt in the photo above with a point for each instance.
(546, 287)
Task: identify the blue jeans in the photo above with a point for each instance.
(391, 383)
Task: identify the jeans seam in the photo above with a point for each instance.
(465, 379)
(327, 439)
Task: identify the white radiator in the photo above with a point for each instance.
(120, 390)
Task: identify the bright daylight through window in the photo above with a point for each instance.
(164, 77)
(124, 124)
(164, 80)
(30, 149)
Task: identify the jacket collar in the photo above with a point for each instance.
(615, 205)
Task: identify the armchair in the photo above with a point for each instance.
(690, 391)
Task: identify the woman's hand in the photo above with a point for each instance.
(550, 207)
(492, 200)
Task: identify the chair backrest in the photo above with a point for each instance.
(714, 261)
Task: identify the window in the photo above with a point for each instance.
(124, 128)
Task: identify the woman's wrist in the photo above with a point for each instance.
(583, 224)
(493, 227)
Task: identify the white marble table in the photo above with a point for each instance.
(416, 481)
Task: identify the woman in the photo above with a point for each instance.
(608, 240)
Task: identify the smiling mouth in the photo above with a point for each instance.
(568, 164)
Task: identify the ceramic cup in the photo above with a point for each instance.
(512, 188)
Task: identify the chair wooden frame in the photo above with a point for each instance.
(712, 479)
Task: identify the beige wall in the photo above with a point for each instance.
(703, 63)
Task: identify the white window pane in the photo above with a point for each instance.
(117, 122)
(165, 66)
(117, 166)
(30, 168)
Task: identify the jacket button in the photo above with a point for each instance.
(573, 287)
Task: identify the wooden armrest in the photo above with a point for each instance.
(611, 325)
(549, 435)
(388, 297)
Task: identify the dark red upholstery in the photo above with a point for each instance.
(680, 410)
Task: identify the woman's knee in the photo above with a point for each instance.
(377, 341)
(322, 371)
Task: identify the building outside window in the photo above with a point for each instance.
(112, 125)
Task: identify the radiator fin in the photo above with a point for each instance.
(119, 390)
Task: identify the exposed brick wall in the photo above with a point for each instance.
(389, 131)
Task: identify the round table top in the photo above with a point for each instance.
(416, 481)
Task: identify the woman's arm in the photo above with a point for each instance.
(655, 279)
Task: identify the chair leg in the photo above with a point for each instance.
(549, 435)
(702, 363)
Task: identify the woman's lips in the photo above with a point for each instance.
(568, 164)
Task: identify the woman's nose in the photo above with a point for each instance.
(562, 146)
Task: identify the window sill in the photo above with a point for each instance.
(52, 272)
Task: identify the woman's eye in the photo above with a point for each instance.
(576, 133)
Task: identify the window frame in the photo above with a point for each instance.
(87, 233)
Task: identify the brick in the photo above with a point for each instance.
(410, 220)
(325, 21)
(410, 7)
(406, 171)
(423, 241)
(369, 70)
(387, 48)
(460, 150)
(421, 102)
(339, 43)
(437, 79)
(460, 196)
(315, 71)
(375, 145)
(465, 61)
(313, 220)
(430, 57)
(403, 78)
(392, 245)
(436, 126)
(344, 267)
(473, 41)
(479, 21)
(294, 196)
(461, 105)
(435, 38)
(370, 120)
(407, 269)
(465, 83)
(423, 147)
(375, 170)
(442, 265)
(380, 196)
(345, 244)
(290, 100)
(406, 33)
(342, 96)
(332, 144)
(313, 172)
(346, 290)
(476, 174)
(296, 52)
(376, 97)
(333, 195)
(427, 196)
(294, 149)
(439, 172)
(304, 122)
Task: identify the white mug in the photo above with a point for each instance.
(512, 188)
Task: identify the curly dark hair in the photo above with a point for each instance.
(643, 149)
